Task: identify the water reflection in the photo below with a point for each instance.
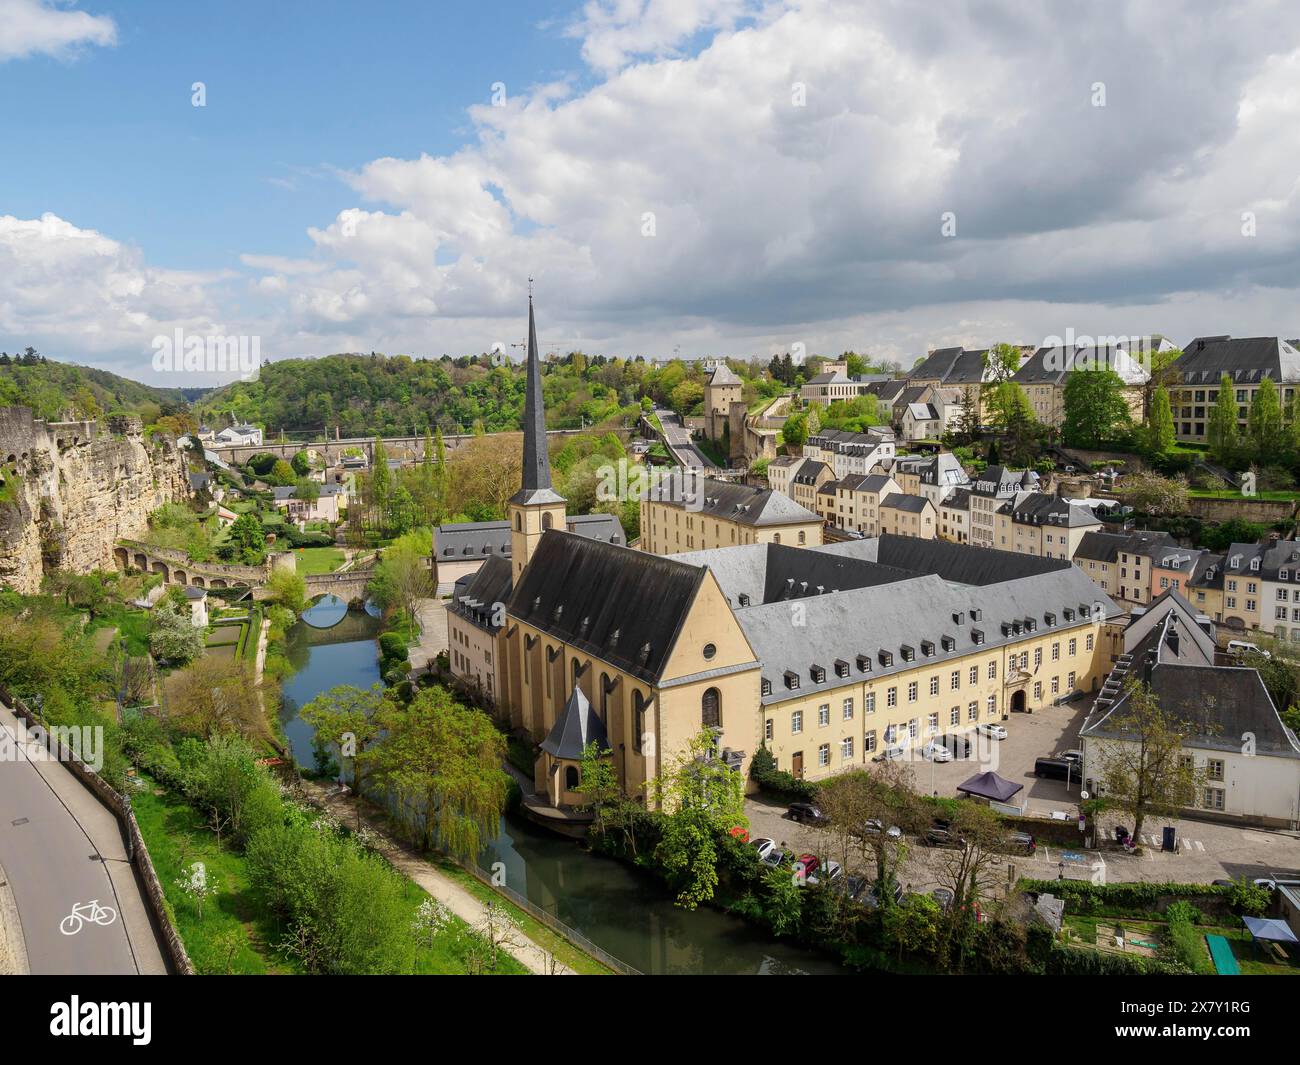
(326, 612)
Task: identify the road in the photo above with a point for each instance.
(678, 439)
(60, 848)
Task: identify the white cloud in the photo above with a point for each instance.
(40, 27)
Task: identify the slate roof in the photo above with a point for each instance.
(1106, 546)
(476, 594)
(624, 606)
(1055, 364)
(1040, 508)
(1247, 360)
(290, 491)
(1274, 557)
(866, 482)
(810, 471)
(951, 366)
(535, 486)
(577, 726)
(469, 540)
(957, 499)
(770, 573)
(961, 563)
(907, 504)
(887, 391)
(740, 503)
(999, 482)
(723, 375)
(873, 630)
(833, 377)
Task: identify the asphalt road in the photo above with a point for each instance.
(678, 438)
(60, 848)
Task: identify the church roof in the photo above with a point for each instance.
(577, 726)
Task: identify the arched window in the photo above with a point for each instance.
(776, 538)
(711, 709)
(638, 720)
(546, 520)
(571, 778)
(519, 522)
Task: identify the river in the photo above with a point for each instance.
(622, 911)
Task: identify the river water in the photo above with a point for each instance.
(622, 911)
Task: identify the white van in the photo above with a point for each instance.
(1245, 647)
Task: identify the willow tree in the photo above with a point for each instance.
(441, 760)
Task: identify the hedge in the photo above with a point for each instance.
(1084, 897)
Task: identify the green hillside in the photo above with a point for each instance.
(62, 390)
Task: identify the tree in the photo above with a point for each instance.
(212, 696)
(1153, 494)
(1144, 772)
(598, 784)
(248, 539)
(704, 799)
(967, 424)
(966, 871)
(862, 806)
(173, 636)
(288, 589)
(301, 464)
(281, 474)
(402, 576)
(1001, 363)
(442, 762)
(1096, 411)
(1222, 433)
(306, 489)
(1160, 428)
(795, 431)
(1264, 421)
(1007, 403)
(348, 719)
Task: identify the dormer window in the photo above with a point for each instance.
(948, 643)
(1031, 624)
(864, 663)
(841, 668)
(1006, 628)
(886, 658)
(927, 648)
(975, 615)
(909, 653)
(1049, 619)
(1069, 613)
(1282, 575)
(791, 679)
(1254, 563)
(1234, 562)
(765, 686)
(744, 599)
(818, 673)
(977, 636)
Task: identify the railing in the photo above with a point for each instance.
(554, 923)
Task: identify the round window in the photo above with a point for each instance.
(709, 651)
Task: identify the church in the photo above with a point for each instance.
(828, 655)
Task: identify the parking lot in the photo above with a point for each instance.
(1206, 850)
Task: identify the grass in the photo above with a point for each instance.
(132, 628)
(314, 560)
(235, 934)
(541, 934)
(1252, 960)
(1278, 495)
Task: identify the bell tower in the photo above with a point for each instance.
(536, 507)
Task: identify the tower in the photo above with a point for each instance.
(536, 507)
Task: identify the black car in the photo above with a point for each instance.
(943, 837)
(871, 898)
(806, 814)
(1056, 769)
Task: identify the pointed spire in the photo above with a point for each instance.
(537, 467)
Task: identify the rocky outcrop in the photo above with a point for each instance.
(71, 489)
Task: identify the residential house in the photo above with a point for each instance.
(678, 516)
(805, 483)
(857, 501)
(1045, 375)
(904, 515)
(988, 492)
(954, 516)
(300, 511)
(239, 435)
(1120, 562)
(1247, 760)
(1036, 523)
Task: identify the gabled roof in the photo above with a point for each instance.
(723, 375)
(477, 594)
(1054, 365)
(740, 503)
(961, 563)
(577, 726)
(1040, 508)
(1106, 546)
(874, 483)
(951, 366)
(614, 603)
(469, 540)
(1246, 360)
(907, 504)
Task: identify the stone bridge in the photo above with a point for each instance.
(409, 448)
(175, 567)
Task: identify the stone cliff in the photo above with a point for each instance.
(68, 490)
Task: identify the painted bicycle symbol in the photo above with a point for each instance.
(86, 911)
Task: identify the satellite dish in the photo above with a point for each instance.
(1083, 794)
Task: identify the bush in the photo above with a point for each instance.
(392, 646)
(1247, 898)
(777, 782)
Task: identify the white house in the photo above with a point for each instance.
(241, 435)
(198, 600)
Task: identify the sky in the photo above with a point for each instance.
(703, 177)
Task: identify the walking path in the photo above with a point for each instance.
(457, 899)
(432, 616)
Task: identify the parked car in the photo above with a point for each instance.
(1245, 647)
(943, 837)
(1020, 843)
(851, 886)
(826, 873)
(996, 732)
(806, 813)
(874, 826)
(957, 746)
(1056, 769)
(943, 896)
(806, 864)
(1075, 756)
(764, 846)
(871, 898)
(934, 751)
(891, 754)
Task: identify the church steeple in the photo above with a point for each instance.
(536, 507)
(537, 467)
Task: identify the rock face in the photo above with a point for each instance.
(70, 489)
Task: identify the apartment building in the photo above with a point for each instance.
(904, 515)
(857, 501)
(1120, 562)
(677, 517)
(849, 453)
(810, 476)
(988, 492)
(954, 516)
(1246, 361)
(1036, 523)
(1045, 375)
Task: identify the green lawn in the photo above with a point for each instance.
(235, 935)
(132, 628)
(1279, 496)
(312, 560)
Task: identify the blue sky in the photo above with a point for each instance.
(295, 90)
(719, 177)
